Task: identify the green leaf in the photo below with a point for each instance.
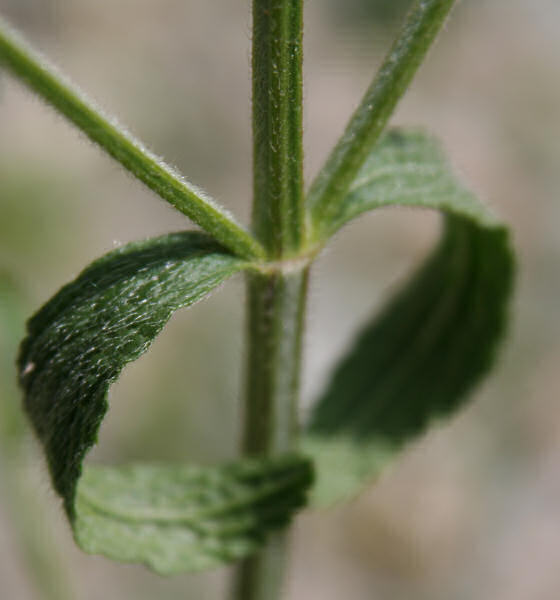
(407, 168)
(77, 345)
(187, 518)
(417, 360)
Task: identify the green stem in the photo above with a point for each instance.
(275, 314)
(278, 209)
(276, 308)
(329, 189)
(277, 298)
(44, 79)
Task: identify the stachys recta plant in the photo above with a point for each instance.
(415, 362)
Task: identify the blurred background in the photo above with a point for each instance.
(472, 510)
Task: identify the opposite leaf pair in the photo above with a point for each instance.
(413, 363)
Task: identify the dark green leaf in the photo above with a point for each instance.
(77, 345)
(407, 168)
(417, 360)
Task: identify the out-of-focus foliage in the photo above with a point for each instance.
(374, 12)
(40, 557)
(12, 425)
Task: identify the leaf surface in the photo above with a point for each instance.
(178, 518)
(416, 361)
(171, 517)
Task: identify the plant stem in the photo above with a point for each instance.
(276, 308)
(419, 31)
(44, 79)
(276, 299)
(278, 208)
(275, 313)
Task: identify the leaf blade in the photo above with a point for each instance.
(407, 168)
(79, 341)
(185, 518)
(436, 339)
(77, 345)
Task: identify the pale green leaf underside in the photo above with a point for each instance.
(185, 518)
(437, 337)
(77, 345)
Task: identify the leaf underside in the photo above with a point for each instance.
(77, 345)
(187, 518)
(427, 348)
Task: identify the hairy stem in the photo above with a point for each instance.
(276, 304)
(275, 313)
(51, 86)
(278, 209)
(420, 29)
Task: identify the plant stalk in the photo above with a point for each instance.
(277, 298)
(278, 207)
(419, 31)
(34, 70)
(276, 310)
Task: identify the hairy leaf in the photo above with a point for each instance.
(407, 168)
(434, 341)
(77, 345)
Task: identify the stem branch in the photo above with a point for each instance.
(330, 187)
(44, 79)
